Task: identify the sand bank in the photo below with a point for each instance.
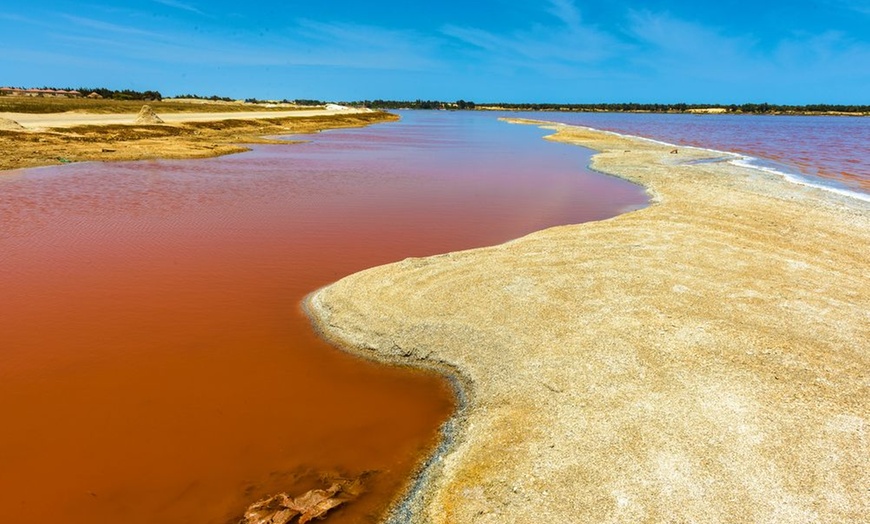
(32, 139)
(36, 121)
(701, 360)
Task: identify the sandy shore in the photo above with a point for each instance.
(31, 140)
(35, 121)
(701, 360)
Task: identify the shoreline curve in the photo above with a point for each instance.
(701, 358)
(409, 502)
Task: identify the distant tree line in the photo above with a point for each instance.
(298, 102)
(124, 94)
(416, 104)
(213, 98)
(763, 108)
(305, 102)
(809, 108)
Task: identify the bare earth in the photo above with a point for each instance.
(33, 139)
(38, 121)
(701, 360)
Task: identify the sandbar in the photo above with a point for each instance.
(704, 359)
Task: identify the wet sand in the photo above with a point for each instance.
(703, 359)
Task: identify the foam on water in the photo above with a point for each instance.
(795, 178)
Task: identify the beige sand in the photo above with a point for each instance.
(7, 124)
(38, 121)
(51, 139)
(701, 360)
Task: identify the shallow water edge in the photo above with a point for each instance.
(378, 322)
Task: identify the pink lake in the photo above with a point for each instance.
(155, 364)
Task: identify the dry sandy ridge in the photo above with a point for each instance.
(702, 360)
(52, 139)
(35, 121)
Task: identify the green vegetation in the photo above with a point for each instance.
(305, 102)
(125, 94)
(213, 98)
(297, 102)
(111, 94)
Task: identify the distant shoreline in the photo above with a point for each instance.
(718, 109)
(699, 111)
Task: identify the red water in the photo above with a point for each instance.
(155, 365)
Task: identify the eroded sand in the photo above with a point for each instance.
(701, 360)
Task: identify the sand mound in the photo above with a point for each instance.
(10, 125)
(148, 116)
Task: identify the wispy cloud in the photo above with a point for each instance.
(310, 42)
(563, 45)
(670, 50)
(99, 25)
(857, 6)
(671, 41)
(179, 5)
(303, 43)
(15, 18)
(566, 11)
(828, 54)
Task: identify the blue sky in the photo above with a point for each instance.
(573, 51)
